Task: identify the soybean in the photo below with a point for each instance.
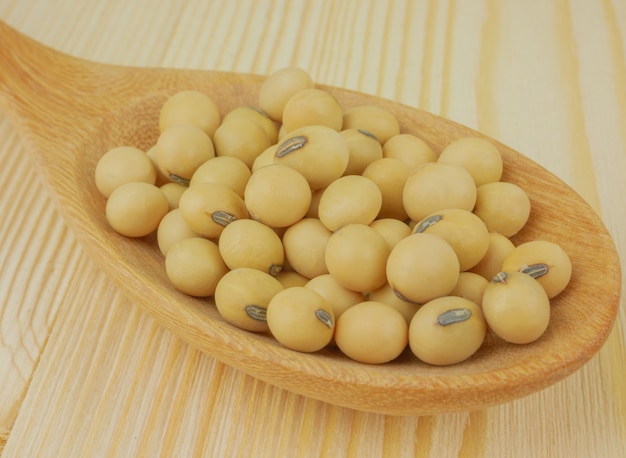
(356, 256)
(491, 263)
(172, 192)
(319, 153)
(422, 267)
(392, 230)
(300, 319)
(305, 244)
(312, 107)
(172, 229)
(470, 286)
(371, 332)
(364, 149)
(209, 207)
(289, 278)
(241, 138)
(227, 170)
(543, 260)
(410, 149)
(387, 295)
(462, 229)
(351, 199)
(339, 298)
(191, 108)
(436, 186)
(478, 156)
(181, 149)
(124, 164)
(504, 207)
(378, 121)
(266, 198)
(258, 116)
(447, 330)
(135, 209)
(390, 176)
(249, 243)
(242, 296)
(516, 307)
(279, 87)
(194, 266)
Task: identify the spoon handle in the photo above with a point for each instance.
(53, 93)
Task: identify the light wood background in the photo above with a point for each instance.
(86, 373)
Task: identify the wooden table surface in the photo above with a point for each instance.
(84, 372)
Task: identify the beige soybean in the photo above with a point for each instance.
(136, 209)
(338, 297)
(277, 195)
(378, 121)
(491, 263)
(181, 149)
(161, 179)
(470, 286)
(227, 170)
(351, 199)
(265, 158)
(436, 186)
(194, 266)
(478, 156)
(545, 261)
(408, 148)
(371, 332)
(319, 153)
(209, 207)
(305, 244)
(289, 278)
(124, 164)
(241, 138)
(300, 319)
(364, 149)
(356, 255)
(516, 307)
(249, 243)
(422, 267)
(172, 229)
(279, 87)
(463, 230)
(316, 196)
(503, 206)
(312, 107)
(192, 108)
(390, 175)
(392, 230)
(447, 330)
(387, 295)
(242, 295)
(258, 116)
(172, 192)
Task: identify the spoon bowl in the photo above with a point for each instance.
(70, 111)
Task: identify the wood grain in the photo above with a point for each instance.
(432, 51)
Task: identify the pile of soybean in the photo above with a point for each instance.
(330, 227)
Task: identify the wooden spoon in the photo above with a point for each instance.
(70, 111)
